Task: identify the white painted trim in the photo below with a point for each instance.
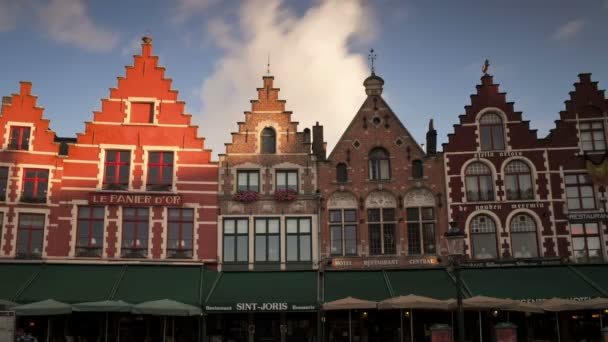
(30, 146)
(44, 211)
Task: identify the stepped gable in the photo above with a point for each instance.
(268, 111)
(489, 96)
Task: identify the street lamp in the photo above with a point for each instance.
(455, 239)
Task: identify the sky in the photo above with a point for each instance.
(429, 53)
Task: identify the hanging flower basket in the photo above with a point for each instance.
(246, 196)
(285, 195)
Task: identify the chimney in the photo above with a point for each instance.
(318, 145)
(7, 100)
(431, 139)
(25, 88)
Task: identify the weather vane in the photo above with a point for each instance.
(372, 57)
(485, 67)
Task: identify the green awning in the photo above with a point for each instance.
(144, 283)
(433, 283)
(597, 275)
(71, 283)
(45, 307)
(166, 307)
(15, 277)
(263, 291)
(528, 283)
(367, 285)
(103, 306)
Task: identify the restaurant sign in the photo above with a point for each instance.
(594, 216)
(134, 199)
(260, 307)
(392, 262)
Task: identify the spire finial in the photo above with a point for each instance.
(485, 67)
(268, 65)
(147, 38)
(372, 58)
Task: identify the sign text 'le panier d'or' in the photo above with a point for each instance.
(135, 199)
(362, 263)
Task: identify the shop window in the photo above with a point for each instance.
(479, 182)
(248, 180)
(343, 227)
(116, 173)
(299, 238)
(142, 112)
(592, 136)
(287, 179)
(586, 243)
(341, 173)
(180, 235)
(90, 231)
(518, 181)
(420, 230)
(579, 192)
(3, 182)
(483, 237)
(30, 235)
(417, 169)
(267, 240)
(160, 171)
(523, 236)
(268, 141)
(381, 225)
(20, 138)
(135, 222)
(35, 185)
(379, 164)
(236, 240)
(491, 132)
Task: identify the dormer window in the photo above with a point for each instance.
(491, 132)
(268, 141)
(20, 138)
(341, 173)
(116, 173)
(379, 164)
(592, 136)
(160, 171)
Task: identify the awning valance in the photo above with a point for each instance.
(366, 285)
(433, 283)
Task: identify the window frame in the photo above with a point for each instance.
(131, 251)
(4, 182)
(160, 184)
(421, 223)
(534, 232)
(383, 228)
(180, 252)
(489, 127)
(266, 236)
(21, 138)
(30, 229)
(578, 185)
(417, 169)
(341, 173)
(34, 197)
(375, 163)
(248, 186)
(284, 173)
(298, 234)
(266, 134)
(236, 235)
(89, 250)
(517, 176)
(115, 183)
(585, 236)
(473, 234)
(478, 181)
(342, 224)
(590, 130)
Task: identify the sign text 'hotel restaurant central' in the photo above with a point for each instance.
(135, 199)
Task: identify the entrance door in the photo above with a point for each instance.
(267, 328)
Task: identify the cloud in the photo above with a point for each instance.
(568, 30)
(186, 9)
(8, 15)
(66, 21)
(319, 77)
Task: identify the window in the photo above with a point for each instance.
(420, 230)
(180, 239)
(90, 231)
(267, 240)
(341, 173)
(483, 237)
(236, 240)
(287, 180)
(592, 136)
(116, 176)
(381, 224)
(135, 233)
(579, 192)
(268, 140)
(299, 247)
(343, 229)
(20, 138)
(3, 182)
(492, 135)
(1, 227)
(586, 242)
(479, 182)
(379, 164)
(518, 181)
(160, 171)
(142, 112)
(248, 180)
(417, 170)
(35, 185)
(523, 236)
(30, 236)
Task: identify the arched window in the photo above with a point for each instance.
(483, 237)
(379, 164)
(491, 132)
(417, 170)
(341, 173)
(523, 236)
(518, 181)
(479, 182)
(268, 140)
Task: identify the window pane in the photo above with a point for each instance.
(292, 226)
(591, 228)
(484, 246)
(242, 181)
(254, 181)
(498, 137)
(373, 215)
(375, 242)
(260, 226)
(336, 240)
(228, 226)
(335, 215)
(486, 138)
(242, 251)
(273, 248)
(229, 248)
(390, 243)
(242, 227)
(260, 248)
(292, 180)
(385, 169)
(412, 214)
(350, 240)
(305, 226)
(388, 214)
(472, 189)
(524, 245)
(292, 248)
(429, 238)
(350, 215)
(428, 213)
(305, 248)
(273, 226)
(576, 228)
(413, 239)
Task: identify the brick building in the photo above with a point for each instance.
(383, 194)
(137, 184)
(520, 196)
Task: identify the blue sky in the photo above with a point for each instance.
(429, 53)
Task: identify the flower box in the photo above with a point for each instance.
(285, 195)
(246, 196)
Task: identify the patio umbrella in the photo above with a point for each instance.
(7, 304)
(560, 304)
(527, 307)
(414, 302)
(106, 306)
(594, 304)
(45, 307)
(166, 307)
(487, 303)
(350, 303)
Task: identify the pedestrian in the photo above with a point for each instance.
(25, 336)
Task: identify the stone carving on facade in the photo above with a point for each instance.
(267, 207)
(380, 199)
(297, 207)
(236, 208)
(342, 199)
(419, 198)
